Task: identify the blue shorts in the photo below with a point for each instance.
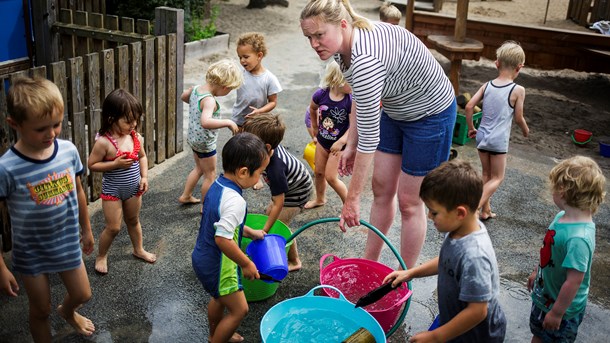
(568, 329)
(205, 154)
(424, 144)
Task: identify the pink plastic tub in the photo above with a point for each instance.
(355, 277)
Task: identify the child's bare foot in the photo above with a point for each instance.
(487, 216)
(314, 204)
(293, 266)
(145, 256)
(101, 264)
(82, 325)
(259, 185)
(236, 338)
(188, 201)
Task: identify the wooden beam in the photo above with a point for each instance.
(97, 33)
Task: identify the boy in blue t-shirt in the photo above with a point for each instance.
(287, 177)
(560, 282)
(468, 279)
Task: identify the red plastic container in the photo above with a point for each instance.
(582, 136)
(355, 277)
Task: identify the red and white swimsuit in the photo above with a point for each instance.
(122, 184)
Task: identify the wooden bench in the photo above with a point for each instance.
(469, 49)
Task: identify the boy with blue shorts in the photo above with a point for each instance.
(217, 257)
(560, 282)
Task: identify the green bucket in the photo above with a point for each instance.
(257, 290)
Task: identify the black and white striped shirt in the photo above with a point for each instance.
(392, 65)
(286, 175)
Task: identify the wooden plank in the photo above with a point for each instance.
(94, 113)
(12, 66)
(111, 22)
(161, 97)
(59, 77)
(67, 39)
(89, 32)
(76, 111)
(174, 129)
(122, 67)
(148, 99)
(135, 69)
(96, 20)
(143, 27)
(39, 72)
(108, 80)
(46, 42)
(127, 25)
(6, 136)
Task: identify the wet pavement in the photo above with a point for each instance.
(139, 302)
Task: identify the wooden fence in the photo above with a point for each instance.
(585, 12)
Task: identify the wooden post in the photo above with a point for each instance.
(59, 78)
(46, 42)
(77, 113)
(461, 14)
(160, 90)
(148, 99)
(409, 15)
(171, 20)
(94, 113)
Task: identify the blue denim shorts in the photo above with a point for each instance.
(568, 329)
(424, 144)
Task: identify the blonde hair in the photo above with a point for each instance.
(510, 55)
(580, 182)
(389, 12)
(333, 11)
(333, 76)
(254, 39)
(30, 98)
(224, 73)
(267, 126)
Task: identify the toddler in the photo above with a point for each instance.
(389, 13)
(119, 153)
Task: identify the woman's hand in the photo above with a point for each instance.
(350, 214)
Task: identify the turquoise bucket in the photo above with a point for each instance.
(327, 319)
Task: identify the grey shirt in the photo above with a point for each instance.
(254, 92)
(468, 272)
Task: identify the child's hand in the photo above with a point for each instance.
(552, 321)
(233, 127)
(8, 284)
(526, 132)
(425, 336)
(250, 272)
(336, 148)
(253, 234)
(472, 133)
(88, 243)
(122, 162)
(143, 184)
(397, 277)
(254, 111)
(530, 281)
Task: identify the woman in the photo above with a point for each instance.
(410, 135)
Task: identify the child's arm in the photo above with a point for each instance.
(564, 299)
(519, 93)
(274, 210)
(428, 268)
(83, 218)
(269, 106)
(339, 144)
(186, 94)
(314, 116)
(8, 284)
(468, 318)
(469, 110)
(232, 251)
(96, 161)
(143, 166)
(208, 105)
(253, 234)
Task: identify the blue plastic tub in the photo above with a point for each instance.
(319, 318)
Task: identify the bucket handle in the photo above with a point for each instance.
(402, 300)
(311, 292)
(323, 259)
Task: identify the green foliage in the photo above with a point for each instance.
(196, 30)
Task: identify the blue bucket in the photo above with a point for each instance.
(318, 318)
(269, 256)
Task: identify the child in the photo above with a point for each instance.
(287, 177)
(259, 92)
(502, 99)
(333, 103)
(204, 121)
(308, 124)
(217, 256)
(119, 153)
(389, 13)
(40, 183)
(468, 279)
(560, 282)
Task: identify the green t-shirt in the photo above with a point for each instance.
(565, 246)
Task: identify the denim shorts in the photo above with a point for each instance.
(424, 143)
(568, 329)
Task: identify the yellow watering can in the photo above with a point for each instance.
(309, 154)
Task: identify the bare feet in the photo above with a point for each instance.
(259, 185)
(81, 324)
(293, 266)
(314, 204)
(145, 256)
(236, 338)
(487, 216)
(188, 201)
(101, 264)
